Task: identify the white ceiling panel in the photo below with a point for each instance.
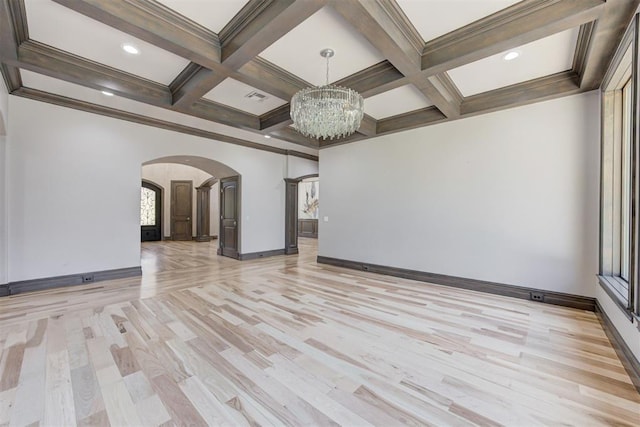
(434, 18)
(299, 50)
(80, 35)
(71, 90)
(541, 58)
(396, 101)
(243, 97)
(211, 14)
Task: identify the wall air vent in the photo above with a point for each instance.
(256, 96)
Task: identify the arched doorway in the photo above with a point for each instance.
(150, 211)
(291, 213)
(211, 174)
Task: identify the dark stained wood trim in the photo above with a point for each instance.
(585, 37)
(4, 290)
(72, 280)
(156, 24)
(259, 24)
(216, 112)
(52, 62)
(626, 356)
(410, 120)
(276, 118)
(261, 254)
(11, 76)
(386, 27)
(521, 292)
(608, 34)
(536, 90)
(62, 101)
(514, 26)
(303, 156)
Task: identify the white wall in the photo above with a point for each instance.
(163, 173)
(74, 189)
(509, 197)
(297, 167)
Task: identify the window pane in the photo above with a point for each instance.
(147, 207)
(625, 229)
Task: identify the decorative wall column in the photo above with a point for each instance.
(202, 213)
(291, 217)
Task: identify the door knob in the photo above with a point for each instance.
(188, 218)
(235, 223)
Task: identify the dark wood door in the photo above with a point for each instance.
(181, 209)
(229, 216)
(150, 212)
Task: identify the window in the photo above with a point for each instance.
(620, 192)
(147, 206)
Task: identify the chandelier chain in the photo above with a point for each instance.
(327, 78)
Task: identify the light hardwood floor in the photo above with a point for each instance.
(201, 339)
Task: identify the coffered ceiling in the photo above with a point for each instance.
(226, 69)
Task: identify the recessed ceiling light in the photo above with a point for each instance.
(129, 48)
(267, 136)
(107, 93)
(510, 56)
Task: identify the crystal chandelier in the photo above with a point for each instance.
(327, 111)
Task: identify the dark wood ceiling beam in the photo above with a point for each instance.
(156, 24)
(219, 113)
(372, 78)
(52, 62)
(385, 87)
(191, 83)
(410, 120)
(607, 34)
(519, 24)
(384, 25)
(275, 119)
(368, 126)
(11, 76)
(585, 37)
(536, 90)
(440, 90)
(270, 78)
(259, 24)
(10, 30)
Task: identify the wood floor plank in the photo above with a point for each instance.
(208, 340)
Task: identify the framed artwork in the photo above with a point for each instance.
(308, 202)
